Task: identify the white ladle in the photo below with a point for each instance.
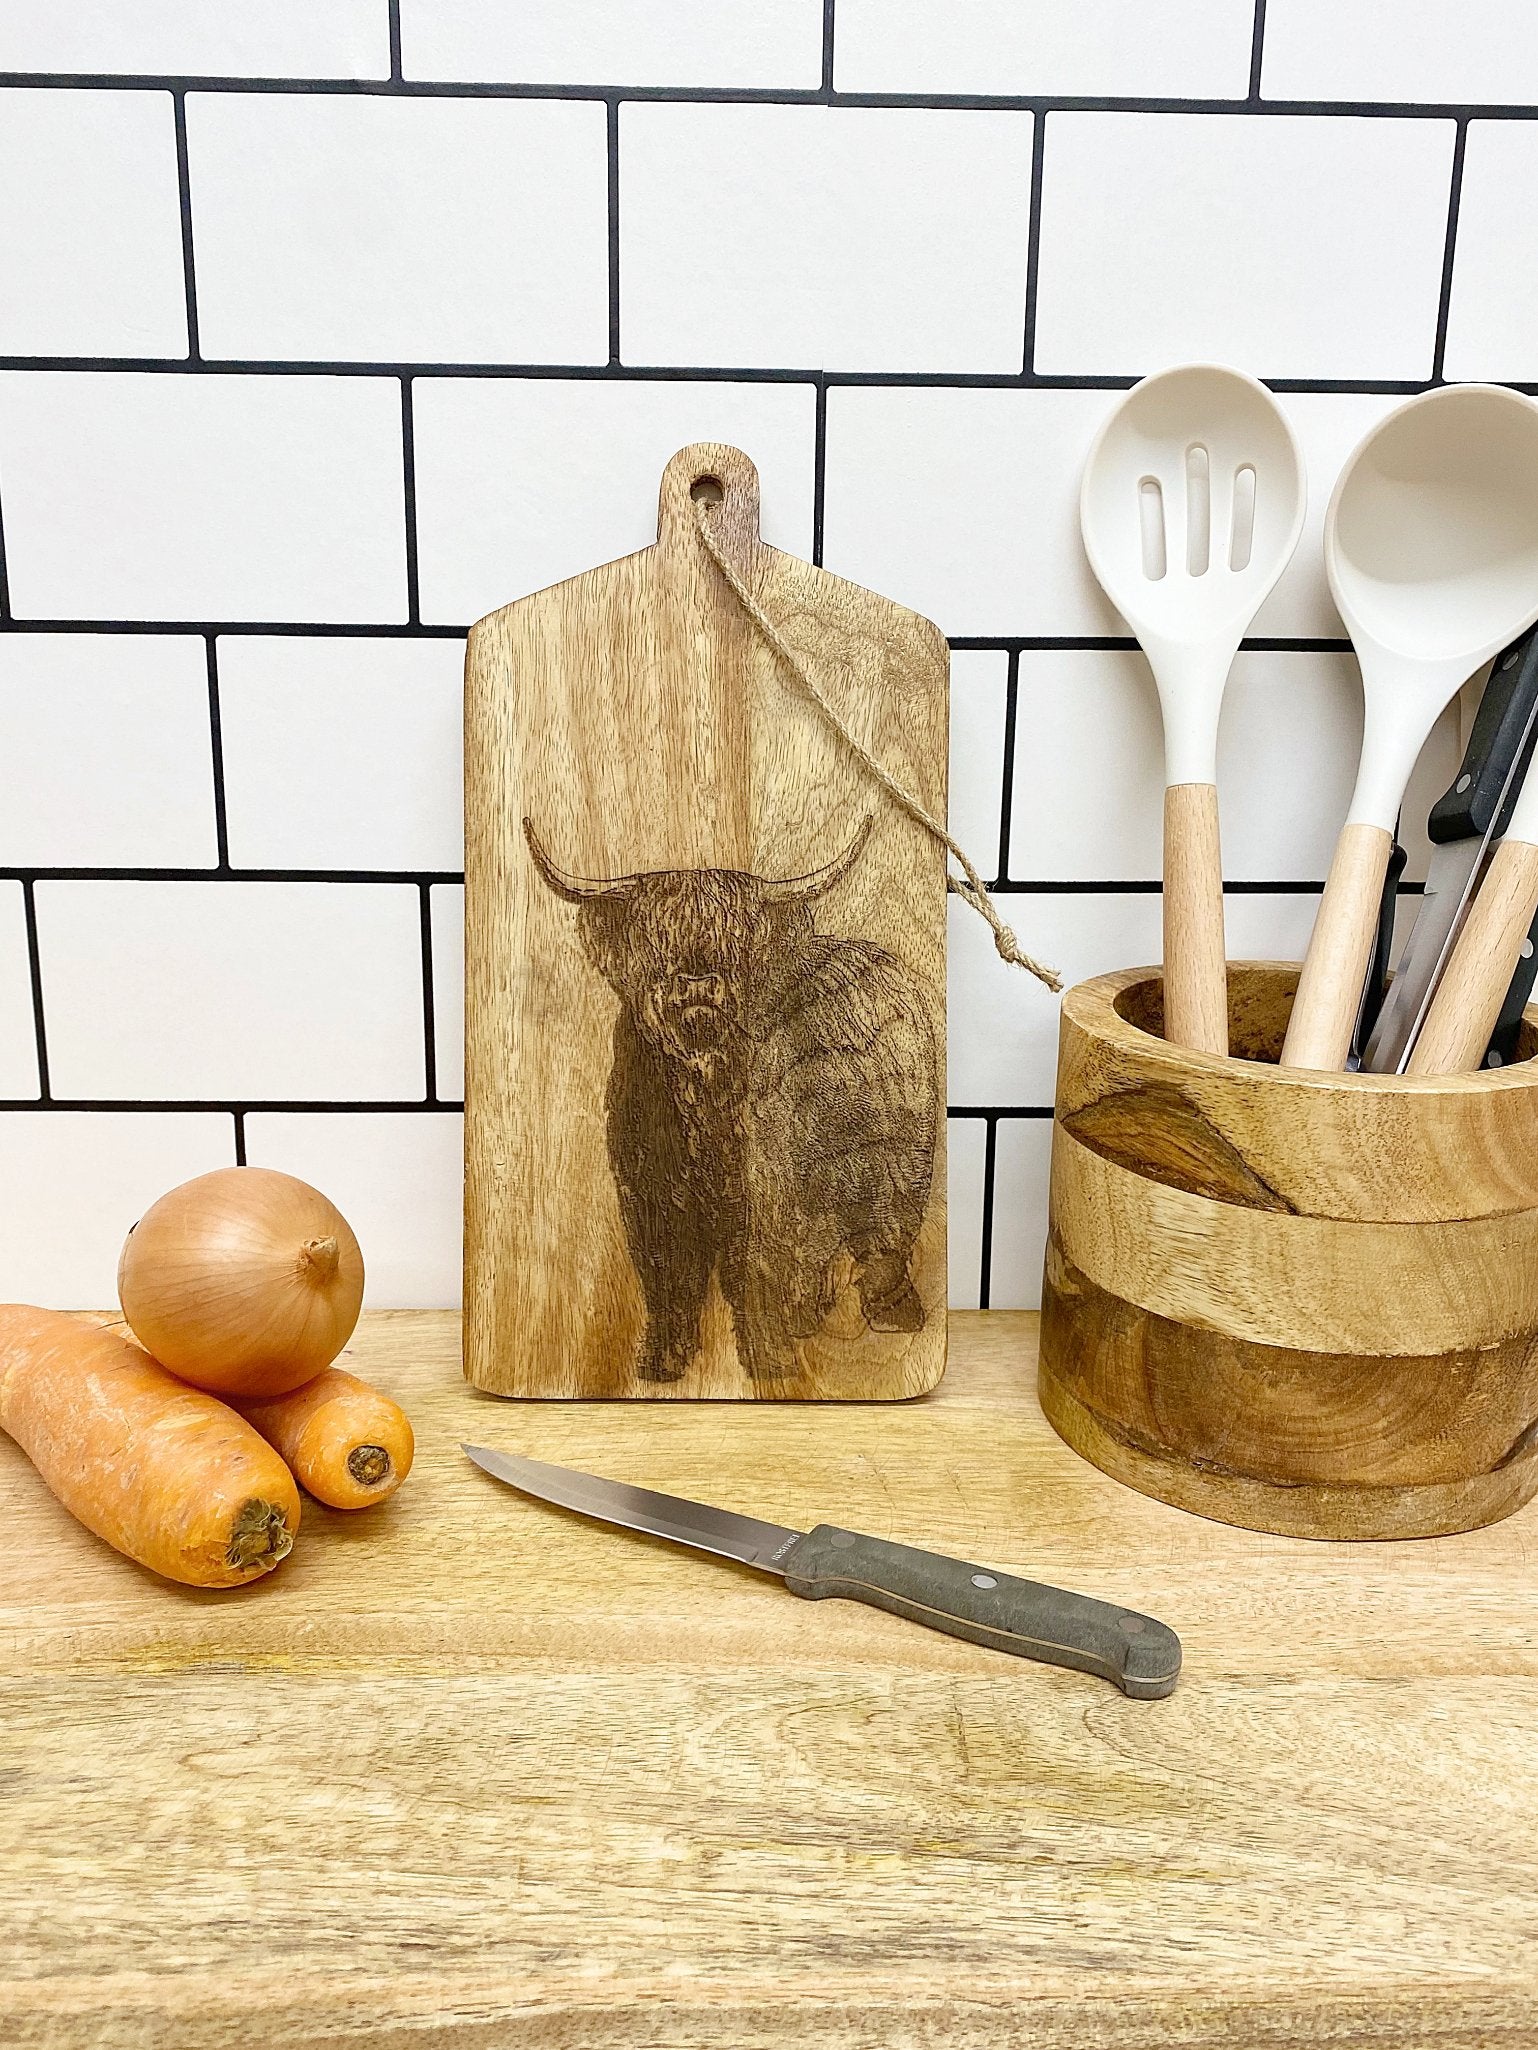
(1431, 544)
(1191, 506)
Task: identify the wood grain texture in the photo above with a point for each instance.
(471, 1772)
(1352, 1146)
(1250, 1308)
(1474, 983)
(1339, 948)
(704, 1109)
(1195, 956)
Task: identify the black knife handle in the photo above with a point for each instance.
(1496, 743)
(1137, 1654)
(1502, 1050)
(1375, 989)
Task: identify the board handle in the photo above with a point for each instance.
(726, 481)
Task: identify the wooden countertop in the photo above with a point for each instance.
(470, 1771)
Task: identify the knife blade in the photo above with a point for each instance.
(1464, 821)
(1025, 1617)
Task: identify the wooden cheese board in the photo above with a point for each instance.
(705, 975)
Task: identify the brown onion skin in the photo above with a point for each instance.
(245, 1281)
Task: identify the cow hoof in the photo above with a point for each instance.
(661, 1370)
(901, 1312)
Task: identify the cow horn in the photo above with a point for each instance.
(802, 889)
(575, 889)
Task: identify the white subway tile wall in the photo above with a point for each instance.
(1417, 50)
(1492, 325)
(352, 230)
(341, 752)
(521, 482)
(857, 239)
(76, 1183)
(446, 937)
(106, 752)
(1296, 245)
(267, 39)
(772, 43)
(1193, 48)
(132, 496)
(18, 1038)
(90, 225)
(239, 991)
(328, 326)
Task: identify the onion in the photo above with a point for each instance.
(244, 1281)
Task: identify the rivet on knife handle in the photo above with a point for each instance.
(1136, 1653)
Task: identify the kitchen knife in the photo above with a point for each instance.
(1463, 823)
(1139, 1655)
(1375, 989)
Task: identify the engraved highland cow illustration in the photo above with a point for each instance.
(772, 1105)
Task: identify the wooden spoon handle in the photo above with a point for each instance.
(1330, 988)
(1195, 962)
(1468, 1000)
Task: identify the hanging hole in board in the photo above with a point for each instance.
(1198, 510)
(1241, 536)
(1150, 505)
(707, 491)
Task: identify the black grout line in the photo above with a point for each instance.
(827, 49)
(412, 876)
(1257, 50)
(1018, 886)
(239, 1117)
(1295, 644)
(1033, 245)
(999, 1110)
(689, 373)
(395, 42)
(819, 468)
(409, 501)
(611, 147)
(1445, 297)
(1280, 644)
(985, 1252)
(184, 194)
(216, 754)
(772, 96)
(35, 972)
(5, 578)
(429, 1005)
(327, 629)
(145, 1106)
(1007, 783)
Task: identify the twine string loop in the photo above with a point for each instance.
(969, 885)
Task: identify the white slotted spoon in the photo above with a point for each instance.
(1191, 506)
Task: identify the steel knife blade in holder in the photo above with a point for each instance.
(1465, 823)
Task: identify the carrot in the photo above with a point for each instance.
(167, 1475)
(347, 1443)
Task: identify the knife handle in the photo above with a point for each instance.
(1456, 1034)
(1375, 989)
(1502, 1049)
(1499, 741)
(1139, 1655)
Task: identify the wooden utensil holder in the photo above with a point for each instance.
(1300, 1302)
